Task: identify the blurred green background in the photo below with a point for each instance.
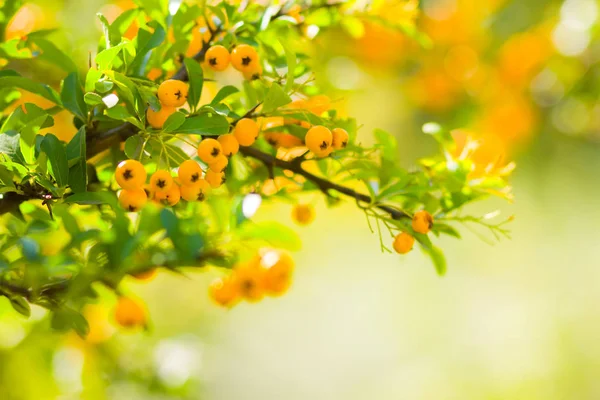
(514, 320)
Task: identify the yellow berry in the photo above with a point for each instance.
(340, 138)
(253, 73)
(318, 140)
(173, 93)
(422, 222)
(249, 278)
(157, 119)
(229, 144)
(303, 214)
(133, 200)
(130, 174)
(278, 276)
(319, 104)
(130, 313)
(224, 292)
(197, 192)
(219, 164)
(244, 57)
(215, 179)
(171, 197)
(403, 243)
(217, 58)
(209, 150)
(161, 181)
(189, 172)
(246, 131)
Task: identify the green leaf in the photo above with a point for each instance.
(275, 98)
(54, 55)
(274, 233)
(92, 198)
(174, 121)
(133, 147)
(33, 87)
(290, 58)
(57, 159)
(92, 99)
(435, 253)
(205, 124)
(72, 96)
(146, 41)
(76, 150)
(388, 144)
(175, 154)
(67, 318)
(106, 58)
(196, 79)
(20, 305)
(9, 144)
(103, 86)
(225, 92)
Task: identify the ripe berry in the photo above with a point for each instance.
(130, 313)
(246, 131)
(209, 150)
(318, 140)
(130, 174)
(229, 144)
(303, 214)
(422, 222)
(249, 278)
(319, 104)
(278, 276)
(157, 119)
(171, 197)
(217, 58)
(173, 93)
(224, 292)
(161, 181)
(133, 200)
(403, 243)
(244, 57)
(215, 179)
(253, 73)
(340, 138)
(146, 275)
(281, 139)
(197, 192)
(189, 172)
(219, 164)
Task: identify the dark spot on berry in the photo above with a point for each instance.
(344, 144)
(323, 145)
(272, 141)
(161, 183)
(201, 196)
(178, 94)
(247, 285)
(215, 152)
(212, 61)
(246, 61)
(128, 174)
(147, 192)
(131, 208)
(195, 177)
(223, 179)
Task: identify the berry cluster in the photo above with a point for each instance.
(422, 222)
(243, 57)
(171, 94)
(268, 274)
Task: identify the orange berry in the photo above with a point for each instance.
(173, 93)
(319, 104)
(146, 275)
(196, 192)
(219, 164)
(246, 131)
(303, 214)
(161, 181)
(209, 150)
(253, 73)
(229, 144)
(340, 138)
(280, 139)
(130, 313)
(422, 222)
(171, 197)
(215, 179)
(244, 57)
(249, 278)
(157, 119)
(278, 276)
(130, 174)
(189, 172)
(217, 58)
(318, 140)
(133, 200)
(403, 243)
(224, 292)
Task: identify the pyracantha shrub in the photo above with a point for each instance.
(168, 165)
